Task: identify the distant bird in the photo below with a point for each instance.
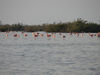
(74, 32)
(77, 34)
(91, 35)
(35, 35)
(48, 35)
(54, 36)
(10, 33)
(41, 34)
(59, 33)
(63, 36)
(15, 35)
(81, 34)
(94, 35)
(22, 32)
(98, 34)
(25, 34)
(70, 33)
(7, 35)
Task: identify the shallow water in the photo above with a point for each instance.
(49, 56)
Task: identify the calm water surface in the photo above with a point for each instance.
(49, 56)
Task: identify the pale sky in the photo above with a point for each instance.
(33, 12)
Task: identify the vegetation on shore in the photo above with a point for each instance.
(77, 26)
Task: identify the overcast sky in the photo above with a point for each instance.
(48, 11)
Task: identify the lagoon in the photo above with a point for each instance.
(49, 56)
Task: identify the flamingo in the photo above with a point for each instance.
(7, 35)
(25, 34)
(41, 34)
(91, 35)
(74, 32)
(15, 35)
(22, 32)
(10, 33)
(48, 35)
(94, 35)
(81, 34)
(35, 35)
(59, 33)
(54, 36)
(98, 35)
(63, 36)
(77, 34)
(70, 33)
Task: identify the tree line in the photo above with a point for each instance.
(76, 26)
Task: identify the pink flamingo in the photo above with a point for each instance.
(54, 36)
(77, 34)
(7, 35)
(41, 34)
(91, 35)
(15, 35)
(63, 36)
(59, 33)
(48, 35)
(25, 34)
(98, 35)
(81, 34)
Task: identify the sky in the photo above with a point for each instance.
(38, 12)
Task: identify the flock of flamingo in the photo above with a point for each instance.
(36, 34)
